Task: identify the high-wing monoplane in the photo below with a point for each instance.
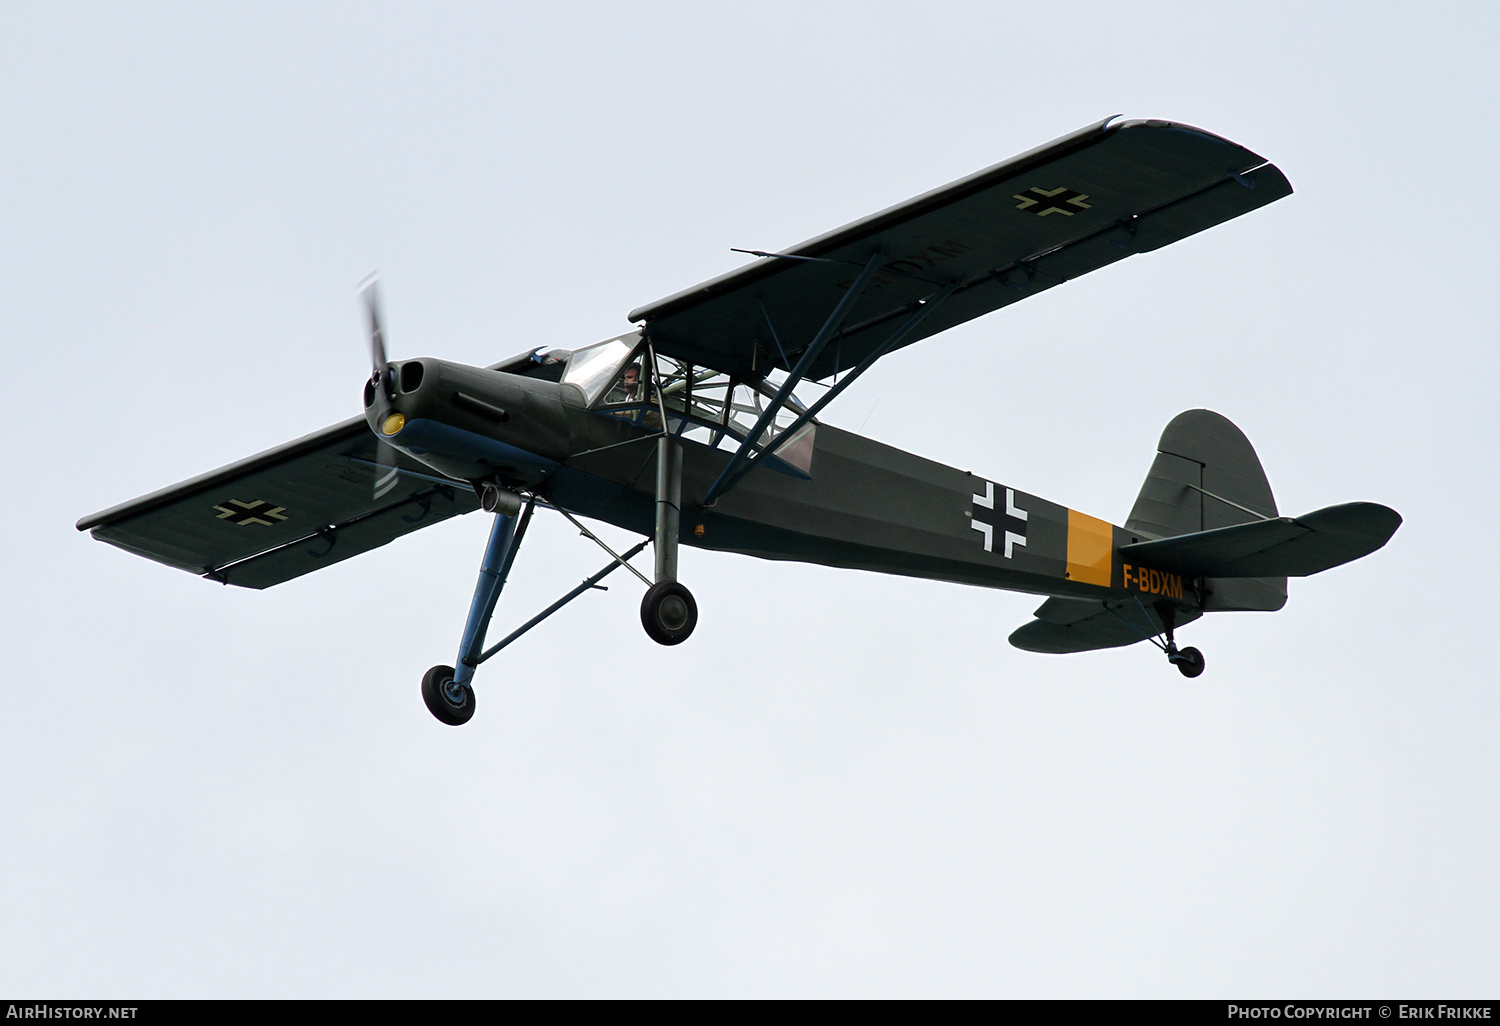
(688, 430)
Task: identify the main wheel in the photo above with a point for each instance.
(1190, 662)
(451, 703)
(669, 613)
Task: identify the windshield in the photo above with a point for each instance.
(592, 369)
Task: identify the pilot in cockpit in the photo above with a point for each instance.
(628, 388)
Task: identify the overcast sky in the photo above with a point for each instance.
(843, 784)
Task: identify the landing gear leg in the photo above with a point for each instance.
(668, 611)
(447, 690)
(1189, 661)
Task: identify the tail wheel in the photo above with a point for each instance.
(451, 703)
(1189, 661)
(669, 613)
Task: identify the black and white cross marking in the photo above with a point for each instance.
(237, 511)
(987, 520)
(1060, 200)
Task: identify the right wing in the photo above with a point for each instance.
(285, 512)
(1002, 234)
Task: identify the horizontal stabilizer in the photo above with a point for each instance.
(1281, 547)
(1064, 625)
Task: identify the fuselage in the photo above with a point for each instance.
(844, 500)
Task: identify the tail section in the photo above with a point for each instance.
(1290, 546)
(1204, 514)
(1206, 476)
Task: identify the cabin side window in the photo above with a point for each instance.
(704, 405)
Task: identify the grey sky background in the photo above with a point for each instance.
(844, 784)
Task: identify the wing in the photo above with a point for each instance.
(284, 513)
(1005, 233)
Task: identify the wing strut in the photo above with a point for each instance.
(826, 332)
(925, 307)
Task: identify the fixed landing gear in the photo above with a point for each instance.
(669, 613)
(1189, 661)
(448, 692)
(450, 702)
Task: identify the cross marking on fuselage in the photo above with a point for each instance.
(1012, 522)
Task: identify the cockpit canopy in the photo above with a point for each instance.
(708, 406)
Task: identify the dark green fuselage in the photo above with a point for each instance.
(865, 505)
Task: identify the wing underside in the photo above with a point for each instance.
(285, 512)
(1005, 233)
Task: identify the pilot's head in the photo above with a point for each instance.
(632, 377)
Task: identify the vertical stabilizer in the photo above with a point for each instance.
(1205, 476)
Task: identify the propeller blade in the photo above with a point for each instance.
(380, 374)
(387, 475)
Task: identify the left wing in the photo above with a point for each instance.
(1005, 233)
(285, 512)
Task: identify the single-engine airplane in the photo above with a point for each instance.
(687, 430)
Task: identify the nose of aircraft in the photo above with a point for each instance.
(403, 377)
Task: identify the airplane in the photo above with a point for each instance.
(687, 430)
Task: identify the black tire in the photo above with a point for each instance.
(1190, 662)
(669, 613)
(436, 683)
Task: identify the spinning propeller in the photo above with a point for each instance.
(382, 388)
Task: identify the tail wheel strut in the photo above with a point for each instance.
(1189, 661)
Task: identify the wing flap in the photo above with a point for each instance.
(258, 521)
(1283, 547)
(1062, 210)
